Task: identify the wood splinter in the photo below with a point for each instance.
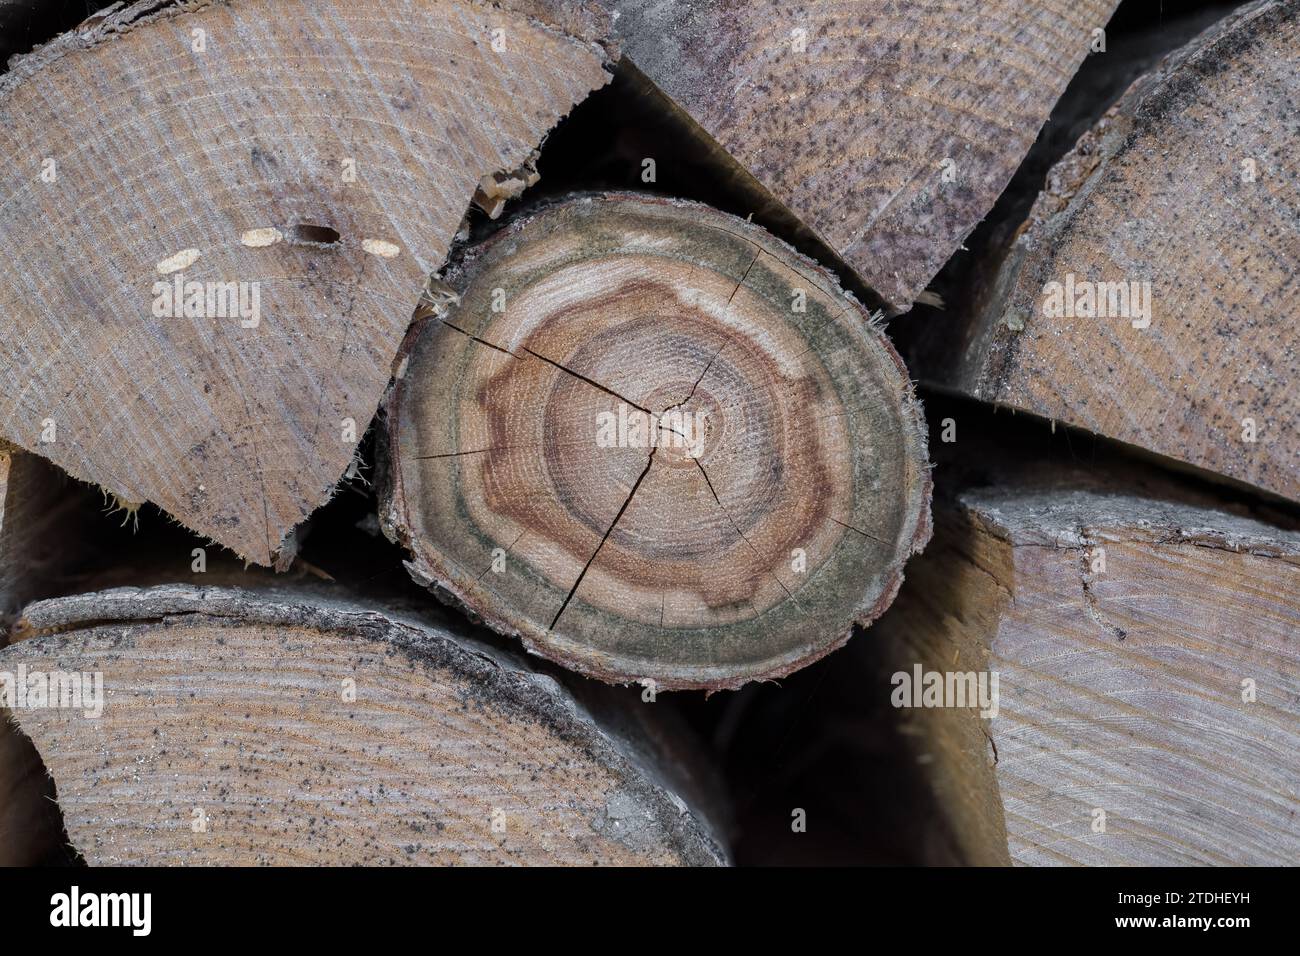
(496, 189)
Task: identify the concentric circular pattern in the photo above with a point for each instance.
(658, 445)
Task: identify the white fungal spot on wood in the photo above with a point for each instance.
(257, 238)
(181, 260)
(381, 248)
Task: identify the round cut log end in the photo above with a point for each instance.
(658, 445)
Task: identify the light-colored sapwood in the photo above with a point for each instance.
(1148, 674)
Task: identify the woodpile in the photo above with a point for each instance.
(569, 432)
(283, 150)
(888, 130)
(1149, 673)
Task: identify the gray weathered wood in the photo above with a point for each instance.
(284, 726)
(888, 129)
(1150, 296)
(1148, 654)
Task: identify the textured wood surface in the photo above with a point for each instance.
(677, 452)
(1122, 629)
(231, 708)
(846, 110)
(1188, 185)
(375, 120)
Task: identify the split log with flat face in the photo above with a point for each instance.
(1151, 297)
(657, 445)
(889, 130)
(219, 217)
(1148, 662)
(240, 728)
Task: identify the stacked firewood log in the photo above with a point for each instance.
(455, 431)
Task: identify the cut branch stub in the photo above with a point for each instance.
(656, 444)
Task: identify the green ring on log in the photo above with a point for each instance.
(656, 444)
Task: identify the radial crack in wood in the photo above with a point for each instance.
(889, 130)
(657, 445)
(219, 220)
(282, 727)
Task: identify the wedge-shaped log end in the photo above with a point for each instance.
(211, 266)
(1150, 296)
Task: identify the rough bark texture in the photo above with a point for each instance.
(1122, 629)
(228, 737)
(320, 153)
(656, 444)
(1186, 185)
(846, 112)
